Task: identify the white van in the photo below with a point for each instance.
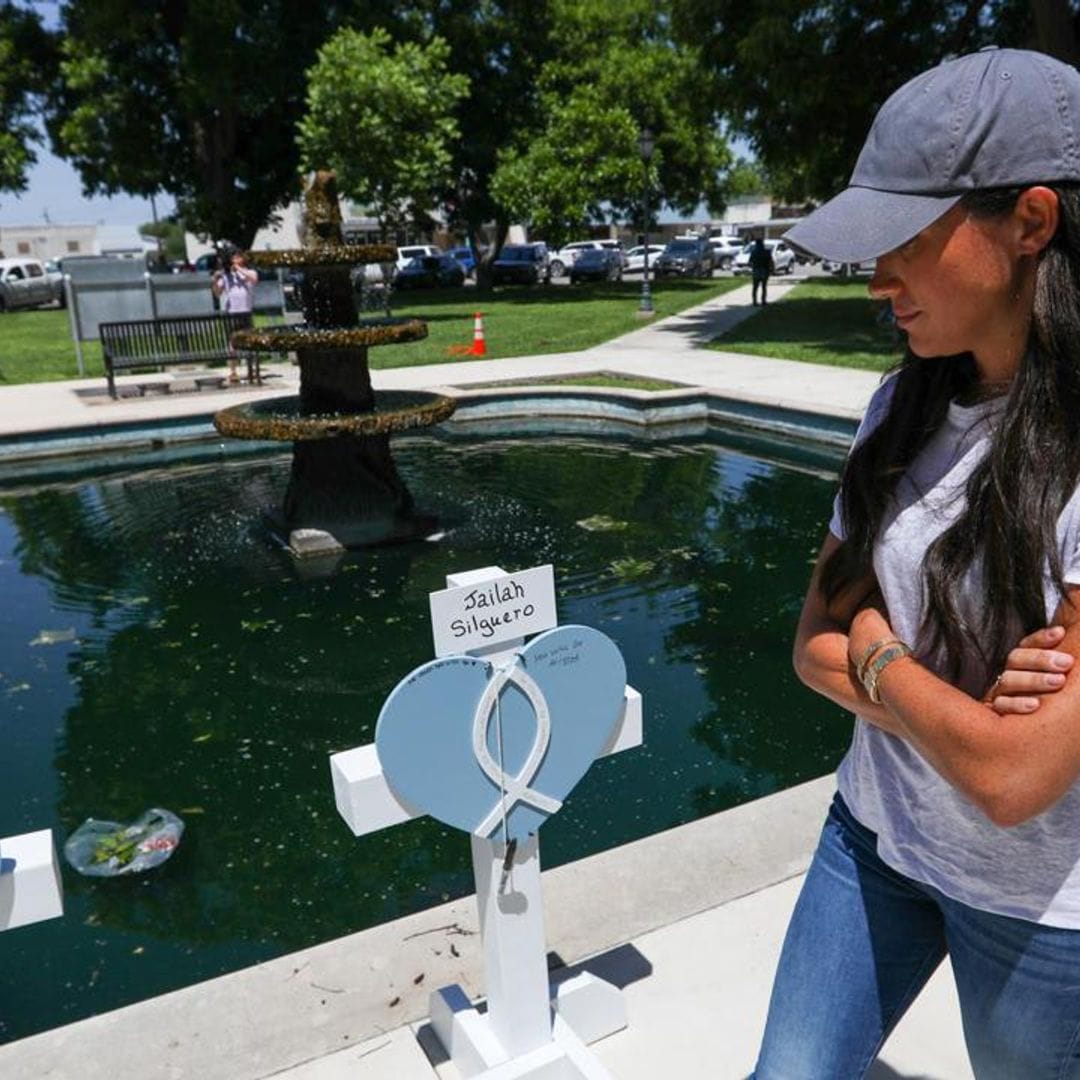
(405, 255)
(725, 248)
(24, 283)
(783, 257)
(566, 256)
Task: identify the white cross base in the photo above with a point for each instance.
(529, 1032)
(30, 889)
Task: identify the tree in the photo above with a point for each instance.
(382, 117)
(197, 100)
(613, 69)
(803, 82)
(27, 58)
(500, 45)
(169, 233)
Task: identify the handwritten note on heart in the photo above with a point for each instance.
(481, 747)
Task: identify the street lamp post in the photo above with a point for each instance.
(646, 145)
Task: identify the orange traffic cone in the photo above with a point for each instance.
(479, 346)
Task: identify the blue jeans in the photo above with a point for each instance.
(862, 942)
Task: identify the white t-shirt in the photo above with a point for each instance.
(926, 828)
(238, 290)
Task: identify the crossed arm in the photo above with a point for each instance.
(1013, 756)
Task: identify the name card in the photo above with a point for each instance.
(491, 612)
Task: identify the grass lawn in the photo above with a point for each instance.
(36, 346)
(589, 378)
(533, 321)
(822, 321)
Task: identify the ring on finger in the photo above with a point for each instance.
(994, 687)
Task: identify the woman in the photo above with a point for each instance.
(235, 288)
(956, 534)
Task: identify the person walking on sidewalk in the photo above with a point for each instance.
(944, 608)
(235, 288)
(761, 266)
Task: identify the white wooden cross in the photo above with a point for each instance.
(30, 889)
(529, 1030)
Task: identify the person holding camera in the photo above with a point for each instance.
(235, 289)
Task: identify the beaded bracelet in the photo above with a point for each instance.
(895, 651)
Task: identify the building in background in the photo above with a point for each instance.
(358, 226)
(49, 240)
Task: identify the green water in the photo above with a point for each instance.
(202, 673)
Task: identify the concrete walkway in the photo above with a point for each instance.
(670, 348)
(688, 922)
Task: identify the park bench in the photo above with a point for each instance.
(186, 339)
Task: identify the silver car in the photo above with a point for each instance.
(25, 284)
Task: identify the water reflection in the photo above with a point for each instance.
(207, 676)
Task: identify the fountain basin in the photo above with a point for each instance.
(324, 256)
(368, 332)
(283, 419)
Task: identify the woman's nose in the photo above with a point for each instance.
(883, 282)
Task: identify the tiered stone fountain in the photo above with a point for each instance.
(344, 490)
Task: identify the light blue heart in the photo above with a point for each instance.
(424, 736)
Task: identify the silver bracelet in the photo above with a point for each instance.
(896, 651)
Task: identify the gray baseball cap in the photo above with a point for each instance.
(995, 118)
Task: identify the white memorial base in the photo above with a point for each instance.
(585, 1009)
(30, 889)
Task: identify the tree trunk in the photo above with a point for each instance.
(483, 266)
(1055, 30)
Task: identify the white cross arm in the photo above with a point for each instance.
(30, 889)
(366, 802)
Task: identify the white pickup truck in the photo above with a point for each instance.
(25, 283)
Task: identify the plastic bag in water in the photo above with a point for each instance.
(108, 848)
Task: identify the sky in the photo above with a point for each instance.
(54, 189)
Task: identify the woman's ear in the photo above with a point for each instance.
(1036, 214)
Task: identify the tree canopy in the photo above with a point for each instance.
(198, 100)
(382, 116)
(613, 70)
(803, 81)
(203, 101)
(26, 61)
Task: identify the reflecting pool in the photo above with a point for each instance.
(158, 649)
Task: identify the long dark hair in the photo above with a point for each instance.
(1015, 494)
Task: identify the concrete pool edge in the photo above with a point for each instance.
(684, 410)
(274, 1016)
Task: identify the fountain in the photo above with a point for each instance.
(344, 490)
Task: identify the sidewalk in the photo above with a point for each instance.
(667, 349)
(689, 922)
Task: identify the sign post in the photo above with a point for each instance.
(513, 728)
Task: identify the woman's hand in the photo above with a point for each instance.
(869, 625)
(1033, 670)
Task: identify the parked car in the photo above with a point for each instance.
(208, 263)
(725, 248)
(24, 283)
(568, 254)
(465, 256)
(430, 272)
(866, 267)
(686, 256)
(55, 273)
(783, 257)
(414, 251)
(599, 264)
(635, 258)
(521, 264)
